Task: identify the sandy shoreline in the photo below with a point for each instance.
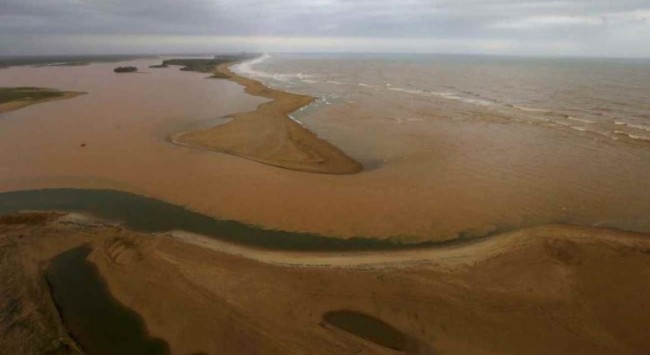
(554, 289)
(268, 135)
(462, 253)
(17, 105)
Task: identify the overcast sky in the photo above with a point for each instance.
(535, 27)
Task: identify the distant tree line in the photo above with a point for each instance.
(204, 65)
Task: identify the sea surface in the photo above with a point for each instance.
(604, 97)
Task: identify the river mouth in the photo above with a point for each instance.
(95, 319)
(151, 215)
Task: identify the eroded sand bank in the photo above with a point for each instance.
(556, 290)
(269, 136)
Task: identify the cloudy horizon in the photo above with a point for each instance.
(539, 27)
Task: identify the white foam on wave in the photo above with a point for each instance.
(633, 136)
(639, 126)
(578, 128)
(296, 120)
(577, 119)
(247, 69)
(456, 97)
(408, 91)
(531, 109)
(633, 126)
(639, 138)
(399, 120)
(445, 95)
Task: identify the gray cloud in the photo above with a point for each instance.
(502, 26)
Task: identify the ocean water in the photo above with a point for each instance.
(603, 97)
(464, 145)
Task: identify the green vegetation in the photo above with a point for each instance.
(27, 94)
(195, 65)
(125, 69)
(62, 60)
(201, 65)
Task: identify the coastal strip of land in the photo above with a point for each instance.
(451, 255)
(16, 98)
(551, 289)
(63, 60)
(268, 135)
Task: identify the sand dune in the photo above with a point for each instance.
(269, 136)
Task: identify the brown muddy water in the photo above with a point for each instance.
(439, 168)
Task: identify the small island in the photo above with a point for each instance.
(267, 135)
(125, 69)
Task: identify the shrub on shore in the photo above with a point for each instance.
(125, 69)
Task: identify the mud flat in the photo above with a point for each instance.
(554, 289)
(268, 135)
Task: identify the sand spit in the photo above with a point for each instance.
(452, 255)
(557, 290)
(269, 136)
(18, 104)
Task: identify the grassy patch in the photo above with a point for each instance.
(27, 94)
(63, 60)
(201, 65)
(125, 69)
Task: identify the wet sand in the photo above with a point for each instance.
(548, 290)
(269, 136)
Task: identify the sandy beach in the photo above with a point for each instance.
(269, 136)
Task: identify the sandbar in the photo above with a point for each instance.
(268, 135)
